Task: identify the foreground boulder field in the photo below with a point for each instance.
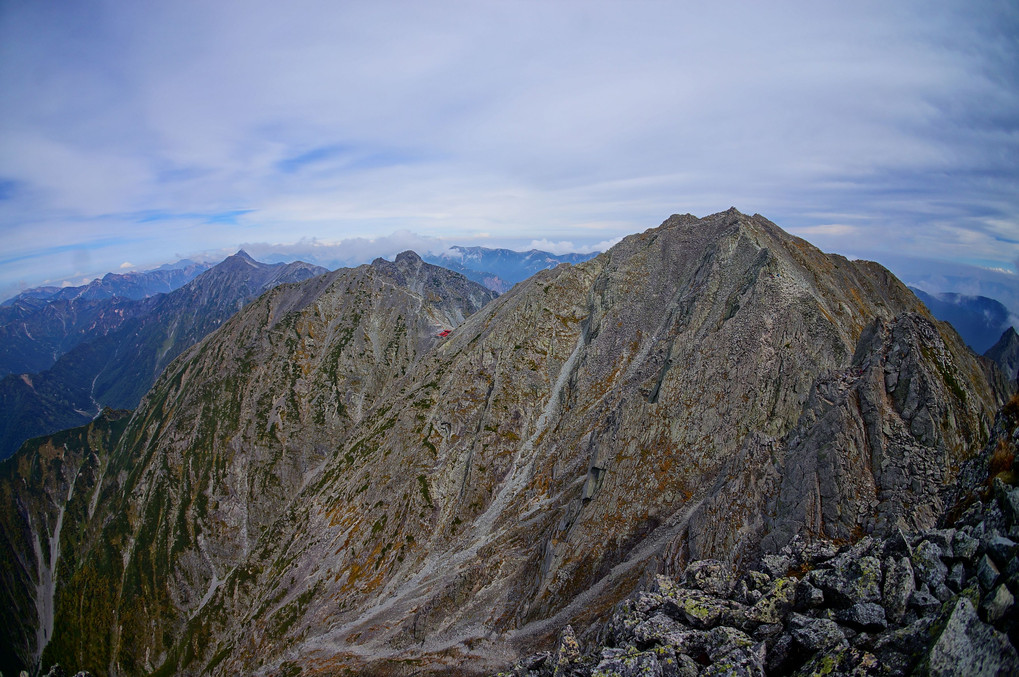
(384, 470)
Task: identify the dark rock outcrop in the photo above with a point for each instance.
(1005, 353)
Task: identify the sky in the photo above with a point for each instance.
(134, 132)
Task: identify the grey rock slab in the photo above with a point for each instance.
(899, 585)
(987, 573)
(776, 566)
(964, 546)
(817, 634)
(997, 604)
(808, 596)
(968, 646)
(943, 538)
(927, 564)
(923, 601)
(857, 580)
(1008, 499)
(864, 616)
(746, 661)
(710, 576)
(1000, 549)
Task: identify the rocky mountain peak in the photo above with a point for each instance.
(332, 483)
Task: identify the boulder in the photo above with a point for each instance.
(998, 604)
(709, 575)
(1000, 549)
(816, 634)
(987, 573)
(700, 610)
(927, 564)
(863, 616)
(856, 580)
(745, 661)
(842, 661)
(898, 587)
(964, 546)
(640, 664)
(968, 646)
(567, 654)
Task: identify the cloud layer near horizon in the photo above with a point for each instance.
(132, 132)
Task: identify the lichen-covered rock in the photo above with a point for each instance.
(927, 565)
(775, 603)
(816, 634)
(702, 610)
(662, 630)
(710, 576)
(843, 662)
(968, 646)
(743, 661)
(567, 654)
(636, 664)
(856, 580)
(866, 616)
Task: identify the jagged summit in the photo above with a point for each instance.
(328, 480)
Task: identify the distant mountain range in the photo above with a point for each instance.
(978, 319)
(98, 352)
(132, 285)
(39, 325)
(500, 269)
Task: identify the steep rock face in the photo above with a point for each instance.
(874, 449)
(48, 491)
(473, 495)
(231, 432)
(534, 467)
(1005, 353)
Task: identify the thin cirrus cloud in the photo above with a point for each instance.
(136, 132)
